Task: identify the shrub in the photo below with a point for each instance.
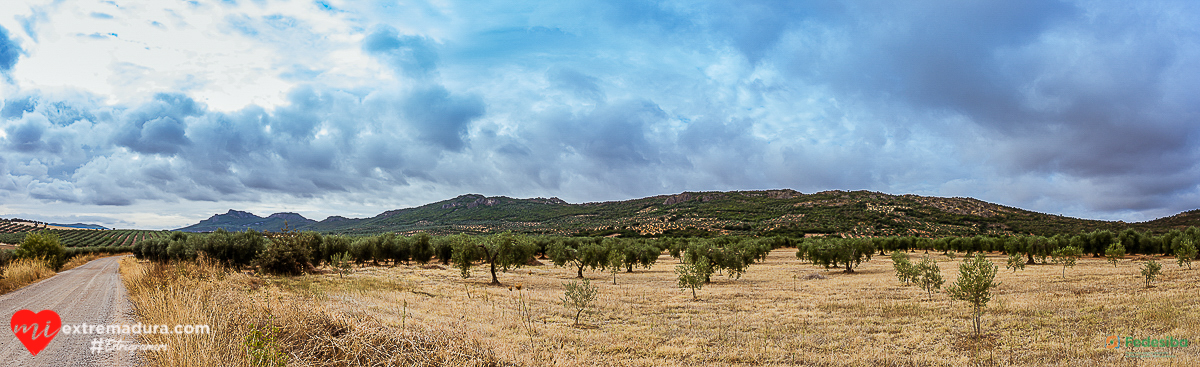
(975, 281)
(341, 262)
(285, 254)
(578, 296)
(1150, 270)
(1114, 253)
(43, 245)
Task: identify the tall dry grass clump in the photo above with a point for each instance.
(22, 272)
(255, 323)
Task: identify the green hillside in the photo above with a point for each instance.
(770, 212)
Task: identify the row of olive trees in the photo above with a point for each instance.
(291, 252)
(1041, 249)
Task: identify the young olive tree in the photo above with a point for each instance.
(929, 276)
(578, 296)
(905, 270)
(1015, 262)
(976, 278)
(504, 250)
(1150, 270)
(1115, 252)
(1066, 256)
(1185, 253)
(693, 274)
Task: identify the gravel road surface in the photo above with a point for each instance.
(92, 294)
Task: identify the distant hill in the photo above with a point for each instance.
(769, 212)
(80, 226)
(235, 221)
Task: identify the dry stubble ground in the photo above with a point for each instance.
(770, 317)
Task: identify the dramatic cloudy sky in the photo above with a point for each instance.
(158, 114)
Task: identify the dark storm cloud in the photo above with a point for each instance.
(440, 118)
(9, 51)
(1040, 104)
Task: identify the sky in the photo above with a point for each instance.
(155, 115)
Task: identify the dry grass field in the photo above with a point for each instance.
(771, 316)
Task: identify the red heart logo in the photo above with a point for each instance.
(35, 330)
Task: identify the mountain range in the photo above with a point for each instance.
(768, 212)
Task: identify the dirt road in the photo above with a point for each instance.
(92, 294)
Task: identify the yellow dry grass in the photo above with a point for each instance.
(253, 323)
(21, 272)
(771, 316)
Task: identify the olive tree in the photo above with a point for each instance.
(579, 253)
(504, 250)
(693, 274)
(905, 270)
(578, 296)
(976, 278)
(1150, 270)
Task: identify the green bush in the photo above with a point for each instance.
(285, 254)
(1015, 262)
(43, 245)
(905, 270)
